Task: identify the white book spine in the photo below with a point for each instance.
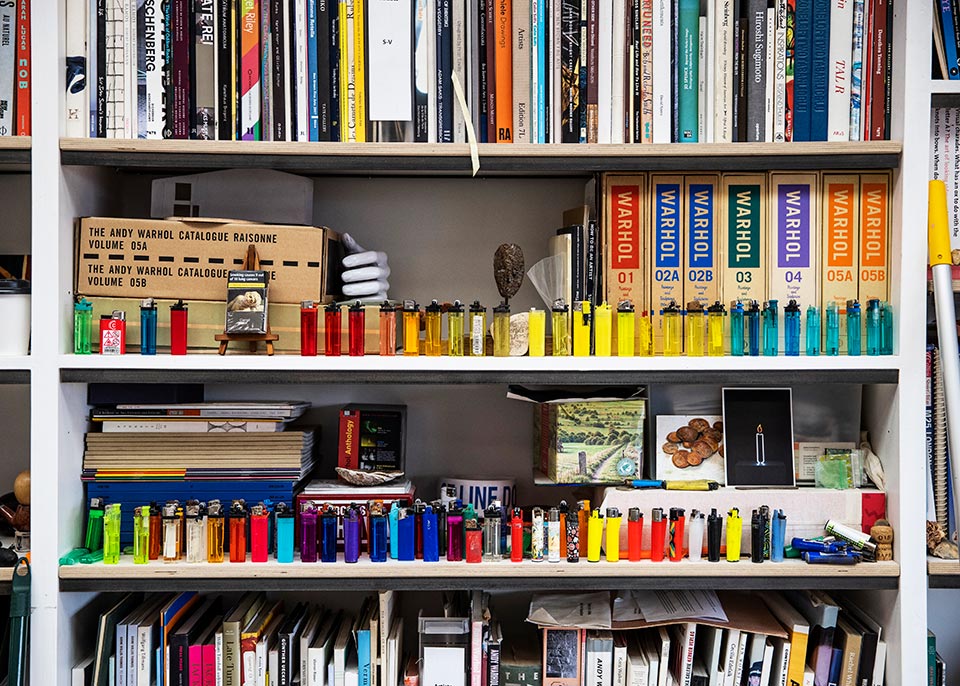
(841, 47)
(154, 61)
(784, 664)
(618, 72)
(317, 668)
(710, 67)
(741, 658)
(856, 70)
(723, 71)
(771, 79)
(662, 72)
(879, 665)
(605, 109)
(521, 71)
(114, 67)
(780, 72)
(389, 87)
(130, 54)
(218, 646)
(702, 81)
(273, 667)
(261, 655)
(459, 20)
(76, 99)
(432, 48)
(303, 100)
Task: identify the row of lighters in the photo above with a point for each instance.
(195, 533)
(753, 331)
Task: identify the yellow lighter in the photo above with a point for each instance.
(734, 534)
(560, 326)
(672, 322)
(695, 329)
(433, 345)
(613, 534)
(411, 328)
(603, 323)
(716, 314)
(581, 328)
(626, 330)
(455, 329)
(537, 332)
(594, 535)
(501, 330)
(645, 327)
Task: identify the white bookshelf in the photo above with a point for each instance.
(74, 178)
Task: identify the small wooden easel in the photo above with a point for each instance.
(252, 261)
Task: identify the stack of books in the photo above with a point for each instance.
(155, 453)
(512, 71)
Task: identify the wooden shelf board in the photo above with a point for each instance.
(943, 573)
(15, 153)
(366, 575)
(428, 159)
(449, 370)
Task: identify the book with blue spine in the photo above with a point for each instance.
(361, 633)
(540, 55)
(313, 78)
(701, 277)
(802, 70)
(667, 248)
(949, 39)
(820, 70)
(688, 70)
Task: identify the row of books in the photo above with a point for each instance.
(224, 450)
(817, 238)
(537, 71)
(936, 665)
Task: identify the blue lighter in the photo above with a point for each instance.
(394, 540)
(328, 535)
(853, 327)
(148, 327)
(284, 517)
(431, 536)
(736, 328)
(351, 534)
(378, 532)
(752, 316)
(778, 530)
(791, 329)
(771, 328)
(406, 536)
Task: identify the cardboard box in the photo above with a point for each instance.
(190, 258)
(205, 319)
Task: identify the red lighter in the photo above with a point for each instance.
(178, 328)
(355, 326)
(259, 535)
(331, 330)
(113, 333)
(658, 535)
(516, 536)
(238, 531)
(676, 534)
(308, 328)
(474, 536)
(634, 533)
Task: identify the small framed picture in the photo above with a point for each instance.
(758, 437)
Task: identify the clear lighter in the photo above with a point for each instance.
(672, 322)
(853, 327)
(238, 531)
(195, 531)
(501, 330)
(111, 534)
(626, 329)
(411, 328)
(737, 347)
(492, 524)
(356, 329)
(455, 329)
(695, 329)
(752, 315)
(832, 325)
(214, 531)
(433, 342)
(603, 330)
(82, 326)
(477, 330)
(560, 328)
(388, 328)
(537, 332)
(873, 327)
(331, 330)
(696, 528)
(308, 328)
(645, 335)
(813, 331)
(141, 535)
(791, 329)
(148, 326)
(771, 328)
(715, 338)
(171, 532)
(886, 329)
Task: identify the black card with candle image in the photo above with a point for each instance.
(758, 436)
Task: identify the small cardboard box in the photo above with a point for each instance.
(190, 258)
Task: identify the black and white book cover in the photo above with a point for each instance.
(246, 302)
(758, 436)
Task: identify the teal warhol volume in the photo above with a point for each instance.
(688, 70)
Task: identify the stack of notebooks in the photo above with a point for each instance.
(202, 451)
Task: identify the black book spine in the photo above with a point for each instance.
(634, 75)
(192, 121)
(593, 261)
(756, 69)
(224, 49)
(576, 271)
(334, 73)
(570, 69)
(278, 65)
(283, 679)
(444, 72)
(741, 109)
(179, 660)
(482, 68)
(102, 68)
(291, 103)
(324, 10)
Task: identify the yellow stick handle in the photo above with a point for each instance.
(938, 225)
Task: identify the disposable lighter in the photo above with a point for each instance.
(433, 345)
(752, 317)
(634, 533)
(455, 330)
(111, 534)
(455, 533)
(171, 531)
(388, 328)
(284, 518)
(696, 526)
(736, 329)
(853, 327)
(82, 326)
(195, 531)
(594, 535)
(612, 547)
(626, 329)
(715, 316)
(356, 323)
(537, 535)
(714, 533)
(351, 534)
(560, 328)
(581, 328)
(695, 329)
(573, 538)
(156, 532)
(756, 537)
(178, 328)
(477, 330)
(238, 531)
(328, 534)
(214, 531)
(832, 345)
(378, 532)
(537, 332)
(658, 535)
(603, 330)
(553, 535)
(441, 511)
(148, 326)
(583, 518)
(141, 535)
(778, 529)
(308, 328)
(886, 328)
(260, 533)
(392, 518)
(677, 520)
(813, 331)
(418, 509)
(113, 333)
(734, 534)
(645, 335)
(771, 328)
(501, 330)
(473, 541)
(331, 330)
(491, 534)
(516, 536)
(872, 319)
(406, 535)
(94, 537)
(791, 329)
(431, 538)
(671, 319)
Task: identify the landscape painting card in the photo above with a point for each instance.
(690, 447)
(758, 437)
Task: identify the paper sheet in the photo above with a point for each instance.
(667, 606)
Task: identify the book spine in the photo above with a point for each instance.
(743, 237)
(662, 88)
(756, 69)
(820, 55)
(555, 67)
(888, 74)
(570, 58)
(623, 239)
(878, 63)
(348, 94)
(582, 72)
(100, 111)
(839, 278)
(289, 38)
(708, 67)
(423, 47)
(701, 267)
(77, 80)
(301, 74)
(444, 72)
(218, 660)
(520, 22)
(543, 86)
(643, 70)
(360, 70)
(620, 70)
(874, 262)
(503, 64)
(789, 67)
(249, 70)
(225, 55)
(770, 77)
(283, 678)
(267, 90)
(949, 39)
(23, 72)
(688, 31)
(802, 70)
(131, 126)
(593, 71)
(841, 51)
(208, 659)
(491, 29)
(471, 84)
(458, 20)
(336, 54)
(723, 71)
(278, 69)
(181, 69)
(780, 72)
(195, 665)
(313, 74)
(702, 77)
(483, 73)
(325, 11)
(667, 248)
(740, 106)
(204, 74)
(537, 79)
